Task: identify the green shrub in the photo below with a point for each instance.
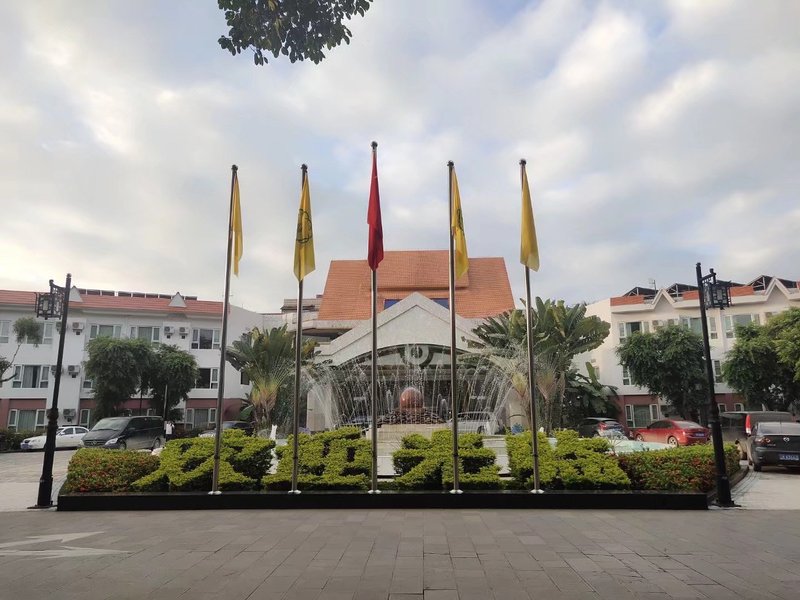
(10, 439)
(99, 470)
(188, 464)
(576, 463)
(330, 460)
(688, 468)
(428, 464)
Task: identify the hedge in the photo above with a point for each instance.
(10, 439)
(331, 460)
(575, 463)
(188, 464)
(428, 464)
(690, 468)
(99, 470)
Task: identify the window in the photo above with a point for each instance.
(31, 376)
(208, 379)
(655, 413)
(200, 418)
(150, 334)
(722, 407)
(88, 384)
(661, 323)
(696, 325)
(731, 321)
(626, 376)
(25, 420)
(390, 302)
(113, 331)
(628, 329)
(717, 371)
(5, 331)
(86, 414)
(738, 406)
(629, 415)
(45, 333)
(205, 339)
(442, 302)
(244, 379)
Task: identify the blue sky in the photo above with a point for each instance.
(657, 135)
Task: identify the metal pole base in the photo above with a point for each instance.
(456, 491)
(537, 491)
(217, 493)
(51, 505)
(719, 504)
(295, 492)
(374, 492)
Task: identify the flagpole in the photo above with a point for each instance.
(374, 382)
(531, 387)
(221, 386)
(453, 377)
(298, 347)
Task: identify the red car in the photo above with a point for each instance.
(673, 432)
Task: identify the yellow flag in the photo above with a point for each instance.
(529, 248)
(236, 224)
(457, 229)
(304, 245)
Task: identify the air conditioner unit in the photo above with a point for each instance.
(184, 331)
(73, 370)
(168, 330)
(53, 369)
(69, 414)
(77, 327)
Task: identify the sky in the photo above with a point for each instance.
(657, 134)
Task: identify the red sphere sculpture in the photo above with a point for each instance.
(411, 400)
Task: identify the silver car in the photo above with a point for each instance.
(477, 422)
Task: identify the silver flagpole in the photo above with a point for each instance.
(531, 387)
(223, 342)
(374, 489)
(453, 377)
(298, 348)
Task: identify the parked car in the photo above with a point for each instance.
(66, 437)
(477, 422)
(738, 425)
(602, 426)
(673, 432)
(131, 433)
(243, 425)
(774, 443)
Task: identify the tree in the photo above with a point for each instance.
(267, 359)
(560, 333)
(586, 396)
(118, 369)
(26, 330)
(670, 364)
(762, 366)
(299, 29)
(173, 371)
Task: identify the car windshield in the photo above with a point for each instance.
(779, 428)
(687, 424)
(111, 424)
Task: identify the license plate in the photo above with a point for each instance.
(699, 434)
(789, 457)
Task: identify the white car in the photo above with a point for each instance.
(477, 422)
(66, 437)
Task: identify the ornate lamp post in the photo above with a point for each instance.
(714, 294)
(52, 304)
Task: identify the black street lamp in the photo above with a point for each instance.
(714, 294)
(52, 304)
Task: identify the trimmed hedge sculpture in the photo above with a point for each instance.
(188, 464)
(428, 464)
(574, 464)
(690, 468)
(331, 460)
(99, 470)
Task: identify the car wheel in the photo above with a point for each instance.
(480, 430)
(672, 442)
(756, 467)
(639, 438)
(123, 446)
(595, 434)
(157, 443)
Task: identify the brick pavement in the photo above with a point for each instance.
(403, 555)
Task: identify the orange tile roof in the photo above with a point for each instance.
(622, 300)
(483, 291)
(120, 303)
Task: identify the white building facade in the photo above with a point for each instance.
(647, 310)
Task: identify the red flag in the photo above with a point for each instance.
(375, 253)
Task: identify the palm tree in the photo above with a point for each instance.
(267, 359)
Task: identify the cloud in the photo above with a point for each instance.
(657, 134)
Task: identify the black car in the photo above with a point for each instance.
(243, 425)
(774, 443)
(601, 426)
(126, 433)
(738, 425)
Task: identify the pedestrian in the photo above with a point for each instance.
(169, 427)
